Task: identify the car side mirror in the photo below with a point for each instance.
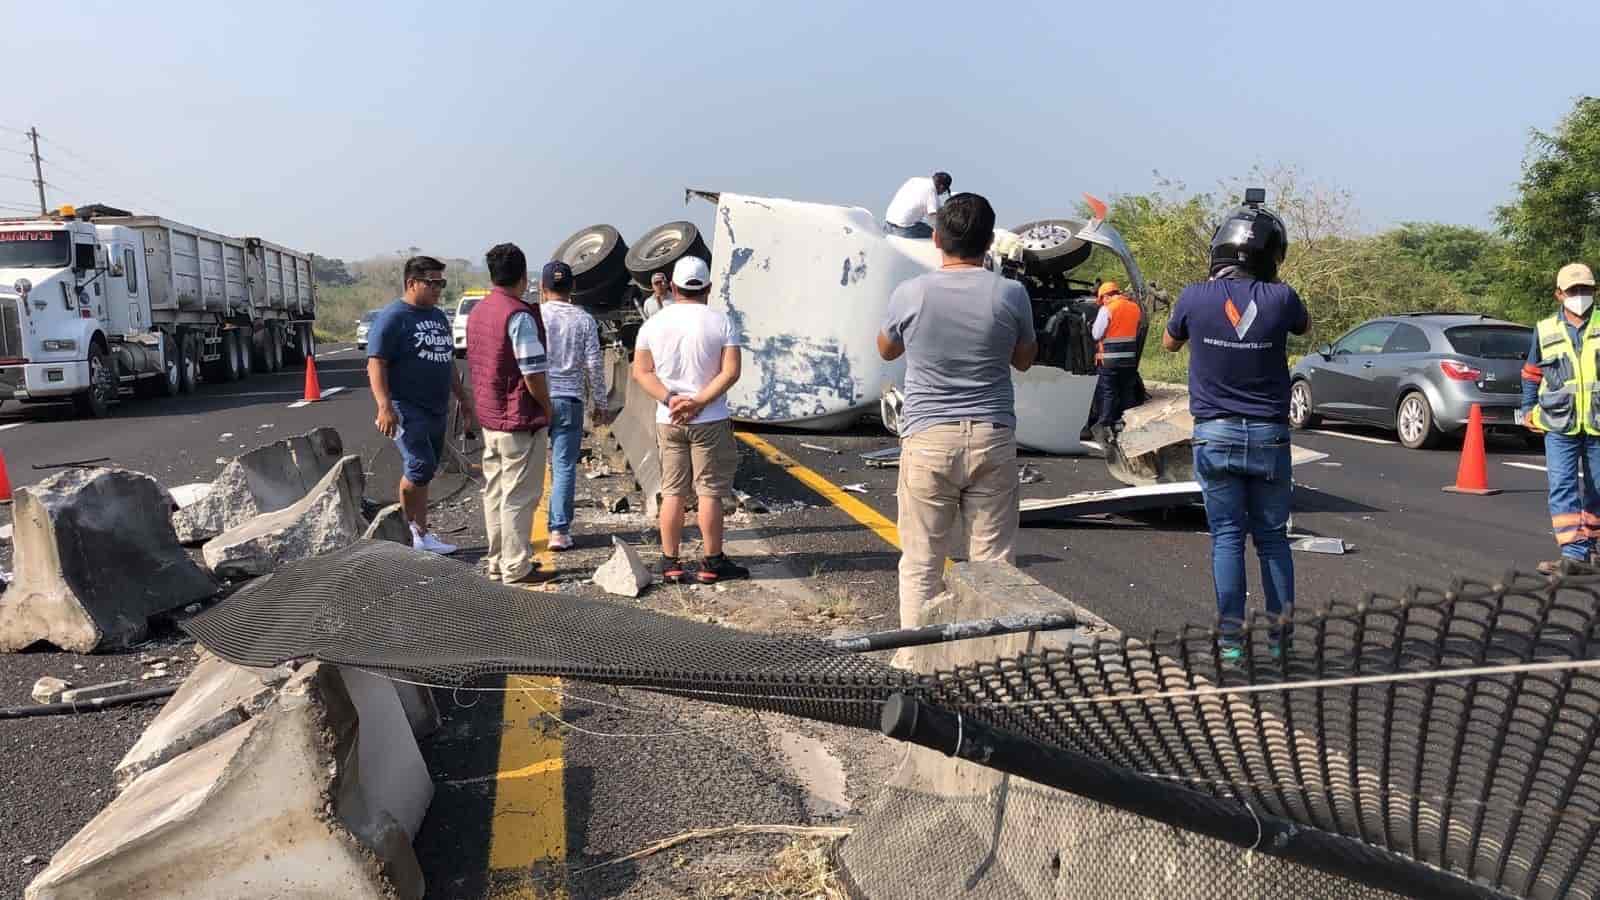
(1326, 351)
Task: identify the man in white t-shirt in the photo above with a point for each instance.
(916, 200)
(659, 296)
(687, 357)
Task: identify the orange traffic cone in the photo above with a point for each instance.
(313, 387)
(1472, 476)
(5, 481)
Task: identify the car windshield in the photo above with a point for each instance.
(1490, 341)
(35, 249)
(467, 305)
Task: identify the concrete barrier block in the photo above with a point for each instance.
(635, 430)
(389, 525)
(284, 805)
(421, 709)
(269, 478)
(96, 557)
(325, 519)
(216, 697)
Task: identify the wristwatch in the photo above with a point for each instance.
(668, 400)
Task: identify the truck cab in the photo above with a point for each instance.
(74, 310)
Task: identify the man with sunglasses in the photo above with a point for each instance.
(411, 368)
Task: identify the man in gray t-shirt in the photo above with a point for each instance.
(962, 329)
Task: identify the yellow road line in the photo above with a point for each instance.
(529, 828)
(852, 507)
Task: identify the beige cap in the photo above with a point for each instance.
(1574, 273)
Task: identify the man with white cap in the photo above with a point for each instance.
(687, 357)
(659, 295)
(1558, 384)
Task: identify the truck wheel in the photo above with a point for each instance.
(1050, 246)
(596, 255)
(272, 348)
(293, 346)
(308, 341)
(189, 364)
(95, 403)
(231, 357)
(663, 246)
(171, 368)
(244, 345)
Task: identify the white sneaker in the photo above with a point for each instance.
(428, 542)
(560, 540)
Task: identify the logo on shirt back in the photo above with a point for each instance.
(1241, 322)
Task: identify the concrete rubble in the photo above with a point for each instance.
(389, 524)
(95, 558)
(318, 792)
(326, 518)
(625, 573)
(264, 480)
(49, 690)
(96, 691)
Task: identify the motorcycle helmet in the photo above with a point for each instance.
(1251, 237)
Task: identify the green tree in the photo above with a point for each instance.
(1556, 216)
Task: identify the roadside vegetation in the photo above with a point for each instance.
(347, 290)
(1347, 274)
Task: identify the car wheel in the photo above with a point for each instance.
(1050, 246)
(96, 402)
(1413, 419)
(1300, 406)
(661, 248)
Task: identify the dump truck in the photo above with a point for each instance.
(98, 305)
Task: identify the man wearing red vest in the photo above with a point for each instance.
(506, 356)
(1116, 360)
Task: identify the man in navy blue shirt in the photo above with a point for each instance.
(411, 368)
(1237, 326)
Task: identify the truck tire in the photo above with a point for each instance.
(604, 296)
(1049, 246)
(661, 247)
(95, 403)
(244, 345)
(171, 368)
(232, 358)
(596, 254)
(308, 341)
(294, 346)
(189, 370)
(274, 348)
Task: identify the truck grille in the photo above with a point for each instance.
(11, 346)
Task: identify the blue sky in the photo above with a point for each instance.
(359, 128)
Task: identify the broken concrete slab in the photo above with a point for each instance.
(625, 573)
(389, 524)
(49, 690)
(216, 697)
(269, 478)
(326, 518)
(185, 495)
(421, 709)
(283, 805)
(394, 779)
(96, 557)
(96, 691)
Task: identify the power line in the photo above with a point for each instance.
(101, 168)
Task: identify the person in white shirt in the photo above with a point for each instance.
(687, 357)
(574, 358)
(916, 200)
(659, 296)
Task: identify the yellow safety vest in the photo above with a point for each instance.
(1567, 404)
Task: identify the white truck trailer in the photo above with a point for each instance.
(97, 305)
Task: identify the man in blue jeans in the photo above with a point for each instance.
(411, 369)
(574, 358)
(1237, 325)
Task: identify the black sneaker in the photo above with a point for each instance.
(671, 570)
(720, 568)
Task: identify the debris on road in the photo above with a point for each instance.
(819, 448)
(857, 488)
(887, 458)
(1312, 544)
(73, 464)
(617, 505)
(96, 557)
(389, 525)
(624, 574)
(49, 690)
(224, 436)
(264, 480)
(749, 503)
(325, 519)
(1029, 474)
(188, 494)
(95, 691)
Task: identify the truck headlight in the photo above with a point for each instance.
(59, 346)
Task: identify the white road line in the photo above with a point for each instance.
(325, 395)
(1352, 437)
(1529, 466)
(334, 352)
(12, 425)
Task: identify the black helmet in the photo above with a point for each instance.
(1251, 237)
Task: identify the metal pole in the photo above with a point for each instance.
(955, 631)
(38, 170)
(907, 719)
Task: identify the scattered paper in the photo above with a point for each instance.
(860, 488)
(224, 436)
(1029, 474)
(819, 448)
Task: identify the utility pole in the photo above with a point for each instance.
(38, 171)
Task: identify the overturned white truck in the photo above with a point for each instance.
(808, 284)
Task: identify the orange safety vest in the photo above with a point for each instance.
(1119, 349)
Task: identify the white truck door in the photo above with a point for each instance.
(111, 302)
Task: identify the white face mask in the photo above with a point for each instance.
(1578, 304)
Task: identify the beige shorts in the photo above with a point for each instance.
(697, 460)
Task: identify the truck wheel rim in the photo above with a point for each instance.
(99, 378)
(1411, 419)
(173, 376)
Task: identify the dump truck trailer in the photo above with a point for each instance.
(97, 305)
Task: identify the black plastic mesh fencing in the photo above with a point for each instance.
(1456, 729)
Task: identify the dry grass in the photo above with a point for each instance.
(801, 871)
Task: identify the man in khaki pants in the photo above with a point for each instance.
(506, 356)
(962, 329)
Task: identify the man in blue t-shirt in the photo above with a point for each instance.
(1237, 326)
(411, 368)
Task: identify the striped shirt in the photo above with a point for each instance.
(574, 353)
(524, 334)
